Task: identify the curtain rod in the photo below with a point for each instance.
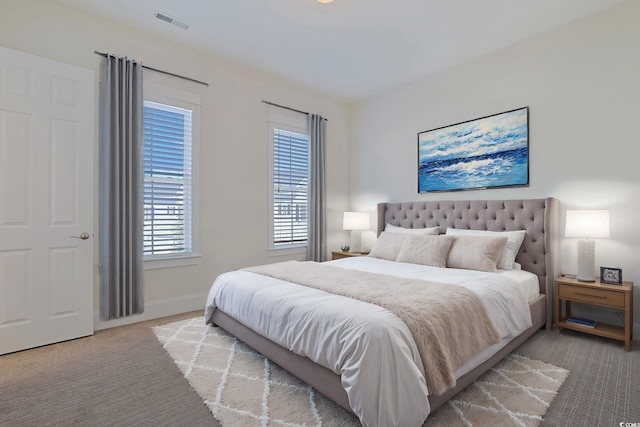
(289, 108)
(161, 71)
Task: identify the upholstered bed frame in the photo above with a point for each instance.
(536, 255)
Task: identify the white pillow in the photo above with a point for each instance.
(416, 231)
(476, 252)
(510, 251)
(387, 246)
(426, 250)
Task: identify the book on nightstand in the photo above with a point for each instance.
(584, 322)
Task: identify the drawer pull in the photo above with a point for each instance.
(592, 296)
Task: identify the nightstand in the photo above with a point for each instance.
(341, 254)
(619, 297)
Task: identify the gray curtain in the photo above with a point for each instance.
(316, 238)
(121, 189)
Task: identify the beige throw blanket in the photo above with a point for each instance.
(449, 323)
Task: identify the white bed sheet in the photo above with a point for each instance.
(370, 347)
(526, 282)
(504, 307)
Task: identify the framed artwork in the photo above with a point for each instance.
(613, 276)
(488, 152)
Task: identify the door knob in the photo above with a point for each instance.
(84, 236)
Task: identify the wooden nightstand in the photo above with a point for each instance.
(341, 254)
(619, 297)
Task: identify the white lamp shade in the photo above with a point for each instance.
(587, 223)
(355, 221)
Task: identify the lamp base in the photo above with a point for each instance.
(356, 241)
(586, 260)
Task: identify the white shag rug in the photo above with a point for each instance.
(242, 388)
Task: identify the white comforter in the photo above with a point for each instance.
(371, 348)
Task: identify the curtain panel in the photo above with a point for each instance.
(316, 238)
(121, 189)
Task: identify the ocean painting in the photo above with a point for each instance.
(488, 152)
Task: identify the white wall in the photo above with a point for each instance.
(582, 85)
(580, 82)
(234, 139)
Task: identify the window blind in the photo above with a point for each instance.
(167, 179)
(290, 187)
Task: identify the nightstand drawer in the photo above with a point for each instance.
(591, 296)
(342, 254)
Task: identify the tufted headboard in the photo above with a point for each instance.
(535, 216)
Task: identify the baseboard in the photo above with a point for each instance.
(155, 310)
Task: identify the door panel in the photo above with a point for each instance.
(46, 200)
(15, 167)
(63, 169)
(15, 287)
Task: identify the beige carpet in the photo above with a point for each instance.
(242, 388)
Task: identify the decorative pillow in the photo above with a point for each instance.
(476, 252)
(510, 251)
(387, 246)
(416, 231)
(426, 250)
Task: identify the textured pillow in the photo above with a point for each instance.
(426, 250)
(387, 246)
(510, 251)
(416, 231)
(476, 252)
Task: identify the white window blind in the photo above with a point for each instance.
(167, 179)
(290, 188)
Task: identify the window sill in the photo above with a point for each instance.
(288, 251)
(175, 261)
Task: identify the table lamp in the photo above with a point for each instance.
(587, 225)
(356, 222)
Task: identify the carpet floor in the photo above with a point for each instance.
(117, 377)
(604, 386)
(242, 388)
(123, 377)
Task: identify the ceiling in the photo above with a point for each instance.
(351, 49)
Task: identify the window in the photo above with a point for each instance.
(169, 140)
(289, 189)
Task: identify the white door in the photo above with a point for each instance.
(46, 201)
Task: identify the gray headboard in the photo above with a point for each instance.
(533, 215)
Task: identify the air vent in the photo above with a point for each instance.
(164, 18)
(180, 24)
(171, 20)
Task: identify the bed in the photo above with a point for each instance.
(534, 216)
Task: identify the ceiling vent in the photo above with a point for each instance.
(171, 20)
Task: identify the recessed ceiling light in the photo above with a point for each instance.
(325, 1)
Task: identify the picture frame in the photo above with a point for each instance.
(487, 152)
(610, 275)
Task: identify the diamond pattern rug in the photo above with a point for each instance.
(242, 388)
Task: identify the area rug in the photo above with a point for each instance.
(241, 388)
